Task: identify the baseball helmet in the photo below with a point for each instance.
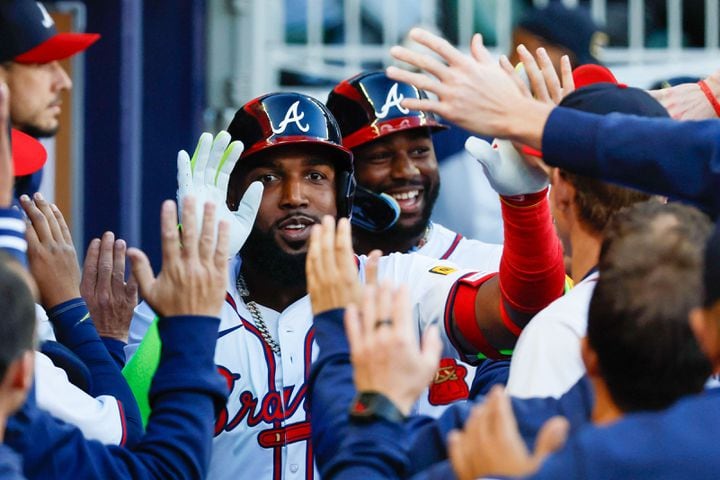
(279, 119)
(367, 106)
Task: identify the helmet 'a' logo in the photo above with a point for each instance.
(47, 20)
(291, 116)
(392, 100)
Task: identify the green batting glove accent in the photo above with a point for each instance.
(141, 368)
(505, 353)
(226, 154)
(193, 159)
(569, 284)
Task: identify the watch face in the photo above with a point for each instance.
(362, 405)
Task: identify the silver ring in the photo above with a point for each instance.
(384, 322)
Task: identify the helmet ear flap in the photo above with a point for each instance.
(346, 191)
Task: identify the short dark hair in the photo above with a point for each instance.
(17, 322)
(650, 279)
(597, 201)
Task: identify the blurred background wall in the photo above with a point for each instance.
(166, 70)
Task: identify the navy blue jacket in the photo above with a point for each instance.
(389, 450)
(186, 393)
(680, 160)
(10, 464)
(75, 329)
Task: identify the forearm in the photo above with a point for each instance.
(377, 450)
(75, 330)
(490, 312)
(330, 387)
(677, 159)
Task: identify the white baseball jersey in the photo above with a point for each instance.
(264, 433)
(444, 244)
(547, 361)
(98, 418)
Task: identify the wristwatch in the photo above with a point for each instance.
(370, 406)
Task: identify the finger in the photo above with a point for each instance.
(568, 82)
(190, 228)
(227, 164)
(170, 238)
(368, 313)
(431, 349)
(105, 262)
(346, 264)
(249, 205)
(37, 219)
(501, 416)
(420, 80)
(517, 74)
(184, 175)
(457, 443)
(62, 224)
(90, 268)
(478, 50)
(206, 246)
(199, 160)
(551, 438)
(371, 267)
(552, 82)
(141, 270)
(383, 307)
(313, 269)
(328, 261)
(422, 61)
(439, 45)
(118, 267)
(44, 206)
(222, 248)
(32, 238)
(217, 154)
(353, 328)
(131, 288)
(535, 76)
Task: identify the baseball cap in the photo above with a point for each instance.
(711, 271)
(605, 98)
(572, 28)
(29, 34)
(28, 154)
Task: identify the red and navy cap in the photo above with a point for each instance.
(368, 106)
(29, 34)
(278, 119)
(28, 154)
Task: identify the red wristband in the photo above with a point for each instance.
(710, 96)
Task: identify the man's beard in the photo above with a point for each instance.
(263, 253)
(37, 132)
(418, 227)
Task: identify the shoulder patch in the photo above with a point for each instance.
(443, 270)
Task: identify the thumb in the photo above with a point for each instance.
(141, 270)
(551, 438)
(250, 204)
(482, 151)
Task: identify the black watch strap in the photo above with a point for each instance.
(369, 406)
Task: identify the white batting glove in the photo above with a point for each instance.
(506, 170)
(206, 178)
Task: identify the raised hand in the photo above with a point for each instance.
(109, 298)
(206, 177)
(51, 253)
(688, 101)
(384, 349)
(490, 443)
(505, 168)
(472, 91)
(331, 271)
(193, 277)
